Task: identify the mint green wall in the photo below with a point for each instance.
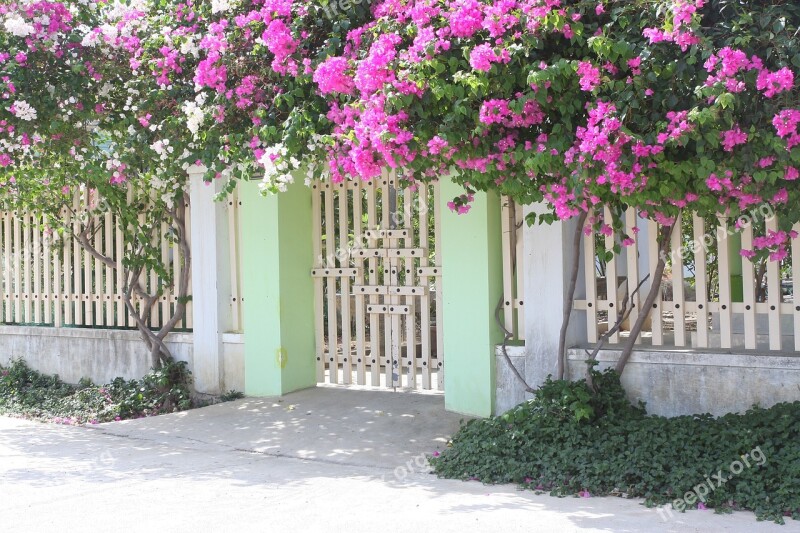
(471, 288)
(278, 310)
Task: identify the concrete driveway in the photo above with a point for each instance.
(324, 459)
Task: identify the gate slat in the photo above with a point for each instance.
(375, 341)
(439, 366)
(361, 355)
(319, 324)
(410, 273)
(344, 283)
(425, 308)
(330, 286)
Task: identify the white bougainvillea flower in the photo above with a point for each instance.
(23, 110)
(16, 25)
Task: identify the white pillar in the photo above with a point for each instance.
(211, 291)
(547, 262)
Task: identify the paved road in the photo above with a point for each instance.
(319, 460)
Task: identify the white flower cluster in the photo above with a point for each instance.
(220, 6)
(16, 25)
(277, 169)
(162, 148)
(23, 110)
(91, 38)
(194, 113)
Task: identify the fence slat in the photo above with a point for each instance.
(656, 315)
(774, 296)
(26, 265)
(612, 281)
(508, 268)
(678, 306)
(590, 270)
(632, 267)
(8, 282)
(724, 275)
(518, 224)
(48, 266)
(700, 284)
(36, 258)
(188, 320)
(749, 282)
(796, 277)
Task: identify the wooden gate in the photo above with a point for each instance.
(377, 280)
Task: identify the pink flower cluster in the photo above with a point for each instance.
(331, 76)
(589, 76)
(786, 123)
(499, 111)
(733, 137)
(483, 56)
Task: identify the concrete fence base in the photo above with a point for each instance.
(674, 383)
(102, 355)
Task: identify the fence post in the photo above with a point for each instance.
(278, 290)
(547, 262)
(472, 286)
(211, 293)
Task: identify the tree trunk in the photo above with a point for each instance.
(569, 297)
(647, 308)
(154, 341)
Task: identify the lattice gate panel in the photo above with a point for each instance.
(378, 283)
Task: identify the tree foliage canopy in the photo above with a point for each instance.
(661, 105)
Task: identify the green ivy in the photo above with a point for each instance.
(568, 440)
(28, 393)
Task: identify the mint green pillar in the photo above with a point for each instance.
(278, 314)
(472, 285)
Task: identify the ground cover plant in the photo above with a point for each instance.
(30, 394)
(569, 440)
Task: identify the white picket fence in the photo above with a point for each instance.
(50, 280)
(698, 306)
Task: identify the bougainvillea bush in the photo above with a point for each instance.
(664, 106)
